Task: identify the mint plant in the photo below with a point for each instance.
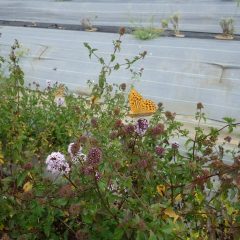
(86, 170)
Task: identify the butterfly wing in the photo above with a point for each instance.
(135, 100)
(140, 106)
(148, 107)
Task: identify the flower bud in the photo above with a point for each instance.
(94, 156)
(159, 151)
(94, 122)
(122, 31)
(175, 145)
(27, 166)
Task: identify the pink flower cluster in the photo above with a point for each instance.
(141, 126)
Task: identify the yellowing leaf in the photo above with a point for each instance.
(170, 213)
(178, 198)
(1, 227)
(1, 159)
(94, 99)
(199, 197)
(161, 190)
(30, 175)
(27, 187)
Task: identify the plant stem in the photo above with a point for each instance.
(106, 206)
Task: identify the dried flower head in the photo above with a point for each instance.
(199, 106)
(170, 116)
(228, 139)
(57, 164)
(122, 31)
(94, 156)
(141, 126)
(75, 151)
(123, 86)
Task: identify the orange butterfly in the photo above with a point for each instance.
(140, 106)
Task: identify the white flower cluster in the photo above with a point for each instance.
(57, 164)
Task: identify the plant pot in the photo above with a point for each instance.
(179, 35)
(224, 37)
(91, 30)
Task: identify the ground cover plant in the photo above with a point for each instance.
(78, 167)
(147, 32)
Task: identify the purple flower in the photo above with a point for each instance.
(157, 130)
(88, 170)
(159, 150)
(48, 83)
(141, 126)
(143, 163)
(60, 101)
(97, 175)
(175, 145)
(94, 156)
(129, 129)
(57, 164)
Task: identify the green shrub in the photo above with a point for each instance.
(109, 176)
(147, 33)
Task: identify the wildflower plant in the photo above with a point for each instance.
(110, 176)
(227, 25)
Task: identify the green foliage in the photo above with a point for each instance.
(227, 25)
(138, 185)
(148, 32)
(174, 21)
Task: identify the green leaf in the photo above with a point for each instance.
(118, 233)
(152, 236)
(101, 60)
(87, 46)
(20, 178)
(112, 57)
(116, 67)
